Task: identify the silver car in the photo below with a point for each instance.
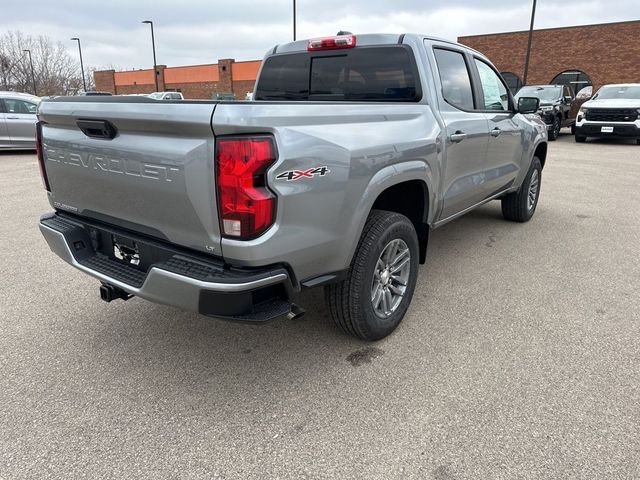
(18, 120)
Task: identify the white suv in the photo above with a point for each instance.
(614, 111)
(166, 96)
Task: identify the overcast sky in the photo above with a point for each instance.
(201, 31)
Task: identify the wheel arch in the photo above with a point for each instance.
(386, 191)
(541, 153)
(411, 199)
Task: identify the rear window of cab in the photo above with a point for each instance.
(373, 74)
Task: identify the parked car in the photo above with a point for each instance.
(332, 176)
(166, 96)
(582, 96)
(18, 120)
(614, 111)
(585, 93)
(555, 106)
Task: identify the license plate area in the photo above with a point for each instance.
(606, 130)
(126, 250)
(133, 251)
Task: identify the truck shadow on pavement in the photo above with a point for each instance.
(160, 341)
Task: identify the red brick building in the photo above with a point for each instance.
(194, 81)
(579, 56)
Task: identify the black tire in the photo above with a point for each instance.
(580, 139)
(573, 129)
(349, 302)
(515, 206)
(554, 133)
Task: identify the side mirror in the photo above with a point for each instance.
(528, 105)
(568, 99)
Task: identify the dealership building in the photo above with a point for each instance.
(589, 55)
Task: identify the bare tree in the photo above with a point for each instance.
(55, 71)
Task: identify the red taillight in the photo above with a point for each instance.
(245, 204)
(40, 155)
(332, 43)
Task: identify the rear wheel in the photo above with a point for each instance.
(373, 299)
(520, 206)
(554, 133)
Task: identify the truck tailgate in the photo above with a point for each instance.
(155, 176)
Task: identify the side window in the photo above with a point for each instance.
(2, 109)
(20, 106)
(455, 79)
(10, 105)
(495, 92)
(31, 107)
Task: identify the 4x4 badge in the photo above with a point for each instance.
(292, 175)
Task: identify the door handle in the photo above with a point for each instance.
(12, 117)
(458, 136)
(496, 132)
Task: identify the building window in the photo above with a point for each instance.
(576, 79)
(513, 81)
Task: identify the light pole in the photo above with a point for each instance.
(153, 45)
(294, 20)
(33, 75)
(84, 84)
(526, 63)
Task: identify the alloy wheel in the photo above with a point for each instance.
(390, 278)
(534, 184)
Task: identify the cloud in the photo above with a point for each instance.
(201, 31)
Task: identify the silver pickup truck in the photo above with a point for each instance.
(354, 148)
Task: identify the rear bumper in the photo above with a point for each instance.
(185, 280)
(594, 129)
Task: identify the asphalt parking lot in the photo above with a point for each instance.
(520, 356)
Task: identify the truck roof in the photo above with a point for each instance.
(366, 39)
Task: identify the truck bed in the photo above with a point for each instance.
(157, 175)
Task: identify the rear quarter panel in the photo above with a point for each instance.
(365, 147)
